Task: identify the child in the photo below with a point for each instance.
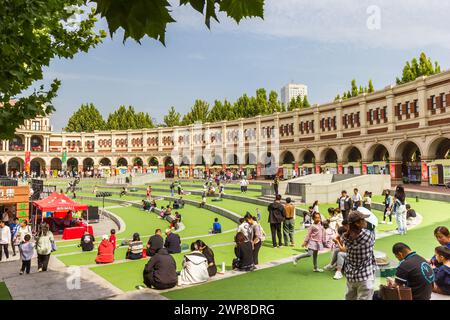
(178, 216)
(162, 213)
(442, 274)
(258, 214)
(123, 192)
(367, 200)
(203, 203)
(314, 242)
(26, 253)
(410, 213)
(335, 218)
(149, 192)
(307, 217)
(217, 228)
(112, 238)
(330, 234)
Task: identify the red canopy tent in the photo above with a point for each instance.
(58, 202)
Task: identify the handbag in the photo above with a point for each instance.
(54, 247)
(395, 293)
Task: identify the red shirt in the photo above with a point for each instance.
(112, 239)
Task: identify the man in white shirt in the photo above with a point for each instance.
(356, 199)
(5, 239)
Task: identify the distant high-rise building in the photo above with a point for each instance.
(293, 90)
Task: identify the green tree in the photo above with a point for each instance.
(337, 98)
(371, 89)
(127, 118)
(86, 119)
(274, 104)
(354, 91)
(415, 69)
(218, 112)
(262, 103)
(32, 33)
(199, 113)
(306, 103)
(150, 17)
(173, 118)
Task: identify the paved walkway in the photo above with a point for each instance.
(58, 283)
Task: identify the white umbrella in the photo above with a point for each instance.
(372, 218)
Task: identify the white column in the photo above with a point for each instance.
(392, 119)
(363, 117)
(339, 120)
(423, 106)
(316, 123)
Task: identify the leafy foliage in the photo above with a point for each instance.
(151, 17)
(32, 32)
(127, 118)
(413, 70)
(173, 118)
(199, 112)
(355, 90)
(86, 119)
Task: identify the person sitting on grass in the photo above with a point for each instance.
(162, 212)
(173, 242)
(123, 192)
(209, 254)
(135, 248)
(105, 251)
(160, 272)
(442, 273)
(195, 267)
(155, 243)
(330, 235)
(203, 203)
(87, 242)
(146, 205)
(443, 237)
(217, 228)
(244, 253)
(314, 242)
(410, 213)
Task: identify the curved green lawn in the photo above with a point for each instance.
(300, 283)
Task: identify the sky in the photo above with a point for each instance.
(323, 44)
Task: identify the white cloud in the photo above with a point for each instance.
(404, 23)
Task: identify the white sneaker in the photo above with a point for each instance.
(338, 275)
(390, 222)
(328, 267)
(318, 270)
(382, 222)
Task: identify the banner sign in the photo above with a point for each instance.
(27, 161)
(424, 171)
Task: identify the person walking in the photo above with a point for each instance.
(359, 267)
(44, 246)
(399, 209)
(5, 239)
(277, 215)
(276, 184)
(345, 204)
(388, 202)
(289, 223)
(26, 253)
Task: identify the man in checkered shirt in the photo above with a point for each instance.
(359, 267)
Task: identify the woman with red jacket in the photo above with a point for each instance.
(105, 251)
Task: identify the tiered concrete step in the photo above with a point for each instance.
(295, 199)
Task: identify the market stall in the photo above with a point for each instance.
(15, 200)
(378, 167)
(330, 167)
(60, 212)
(152, 169)
(183, 172)
(439, 172)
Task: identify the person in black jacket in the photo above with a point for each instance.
(209, 254)
(87, 242)
(173, 242)
(277, 214)
(244, 253)
(345, 204)
(161, 271)
(155, 243)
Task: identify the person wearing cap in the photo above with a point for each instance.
(359, 268)
(173, 242)
(105, 251)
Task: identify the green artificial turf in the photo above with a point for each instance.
(4, 293)
(289, 282)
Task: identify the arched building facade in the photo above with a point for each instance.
(402, 130)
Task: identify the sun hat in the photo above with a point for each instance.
(355, 216)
